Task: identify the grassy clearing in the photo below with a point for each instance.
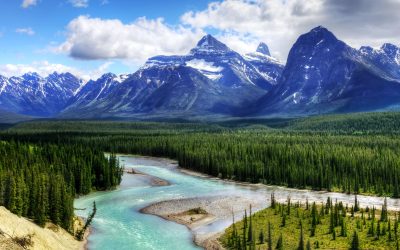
(286, 221)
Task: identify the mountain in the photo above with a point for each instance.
(219, 63)
(34, 95)
(387, 58)
(94, 91)
(325, 75)
(269, 67)
(322, 75)
(9, 117)
(211, 79)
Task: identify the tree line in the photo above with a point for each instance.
(298, 159)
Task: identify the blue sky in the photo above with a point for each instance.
(91, 37)
(47, 20)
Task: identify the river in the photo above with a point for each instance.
(118, 223)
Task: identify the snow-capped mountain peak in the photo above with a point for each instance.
(263, 49)
(209, 44)
(392, 51)
(32, 94)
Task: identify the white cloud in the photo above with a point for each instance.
(79, 3)
(27, 3)
(241, 24)
(45, 68)
(95, 38)
(280, 22)
(27, 31)
(242, 43)
(273, 21)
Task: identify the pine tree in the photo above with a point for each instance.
(279, 244)
(261, 237)
(343, 230)
(273, 201)
(355, 244)
(378, 230)
(301, 241)
(308, 246)
(283, 224)
(269, 236)
(384, 212)
(356, 204)
(250, 232)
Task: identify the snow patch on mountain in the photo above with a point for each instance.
(203, 65)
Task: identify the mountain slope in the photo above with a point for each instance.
(50, 237)
(211, 79)
(324, 75)
(34, 95)
(269, 67)
(94, 91)
(9, 117)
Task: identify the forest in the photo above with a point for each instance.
(306, 225)
(39, 181)
(45, 164)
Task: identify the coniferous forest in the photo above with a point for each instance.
(45, 164)
(40, 181)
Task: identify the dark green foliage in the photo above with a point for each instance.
(40, 181)
(301, 241)
(355, 243)
(279, 244)
(308, 246)
(384, 211)
(269, 236)
(261, 237)
(299, 159)
(356, 123)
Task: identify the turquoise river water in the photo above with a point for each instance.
(118, 223)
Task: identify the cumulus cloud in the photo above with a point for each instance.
(27, 31)
(44, 68)
(79, 3)
(95, 38)
(280, 22)
(27, 3)
(241, 24)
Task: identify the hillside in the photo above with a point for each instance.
(384, 122)
(50, 237)
(9, 117)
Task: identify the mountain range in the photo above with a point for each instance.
(322, 75)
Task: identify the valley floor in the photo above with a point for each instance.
(217, 209)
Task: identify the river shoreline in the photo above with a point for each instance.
(170, 208)
(207, 229)
(217, 208)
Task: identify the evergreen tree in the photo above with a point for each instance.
(355, 244)
(269, 236)
(279, 244)
(261, 237)
(250, 231)
(308, 246)
(384, 212)
(301, 241)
